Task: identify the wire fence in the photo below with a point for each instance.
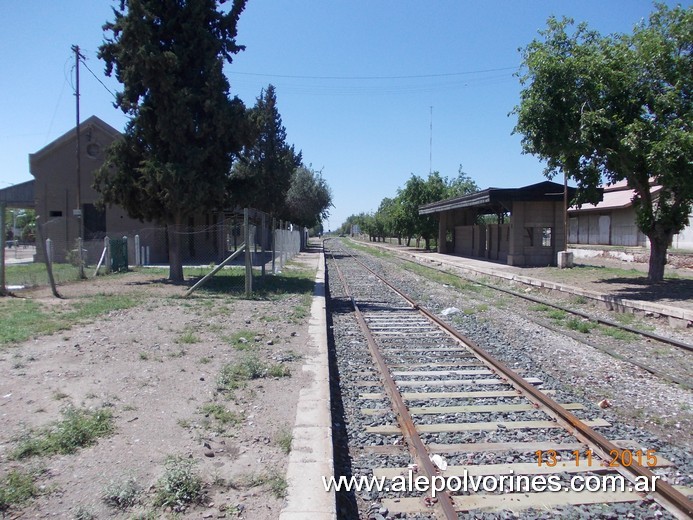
(249, 242)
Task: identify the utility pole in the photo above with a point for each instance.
(78, 212)
(430, 146)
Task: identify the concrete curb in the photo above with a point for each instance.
(311, 455)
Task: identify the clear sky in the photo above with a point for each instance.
(355, 83)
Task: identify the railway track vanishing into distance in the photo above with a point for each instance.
(419, 399)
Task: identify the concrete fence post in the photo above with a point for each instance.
(138, 255)
(2, 250)
(248, 260)
(107, 246)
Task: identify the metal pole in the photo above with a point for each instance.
(262, 243)
(248, 264)
(274, 244)
(3, 292)
(565, 211)
(78, 211)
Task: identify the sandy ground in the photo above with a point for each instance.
(155, 366)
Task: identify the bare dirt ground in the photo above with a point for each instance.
(155, 367)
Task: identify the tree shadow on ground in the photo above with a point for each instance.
(638, 288)
(233, 284)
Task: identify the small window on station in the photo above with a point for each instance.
(55, 213)
(546, 234)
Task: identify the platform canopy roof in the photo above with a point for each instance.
(497, 200)
(19, 195)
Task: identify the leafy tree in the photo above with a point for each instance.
(391, 213)
(617, 108)
(463, 184)
(262, 176)
(416, 193)
(309, 198)
(350, 221)
(183, 131)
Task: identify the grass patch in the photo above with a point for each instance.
(122, 494)
(84, 513)
(220, 414)
(22, 319)
(77, 429)
(241, 340)
(580, 325)
(539, 308)
(180, 484)
(630, 319)
(188, 337)
(301, 310)
(278, 370)
(371, 250)
(284, 439)
(230, 282)
(32, 275)
(16, 487)
(278, 486)
(622, 335)
(441, 278)
(557, 314)
(234, 375)
(275, 483)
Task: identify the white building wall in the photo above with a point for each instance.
(684, 240)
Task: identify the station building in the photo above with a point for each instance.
(530, 228)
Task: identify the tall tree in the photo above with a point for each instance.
(184, 129)
(309, 198)
(262, 176)
(416, 193)
(617, 108)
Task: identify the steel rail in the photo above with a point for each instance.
(409, 432)
(666, 493)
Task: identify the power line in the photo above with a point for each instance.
(365, 78)
(97, 78)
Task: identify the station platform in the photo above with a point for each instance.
(599, 281)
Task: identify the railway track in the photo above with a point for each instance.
(678, 370)
(424, 404)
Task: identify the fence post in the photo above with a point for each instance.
(274, 243)
(248, 263)
(81, 260)
(262, 245)
(2, 250)
(138, 256)
(127, 254)
(107, 245)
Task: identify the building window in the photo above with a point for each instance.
(94, 222)
(546, 234)
(93, 150)
(55, 213)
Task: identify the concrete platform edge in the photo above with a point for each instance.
(311, 456)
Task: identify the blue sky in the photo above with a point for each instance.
(355, 83)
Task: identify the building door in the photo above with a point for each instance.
(604, 230)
